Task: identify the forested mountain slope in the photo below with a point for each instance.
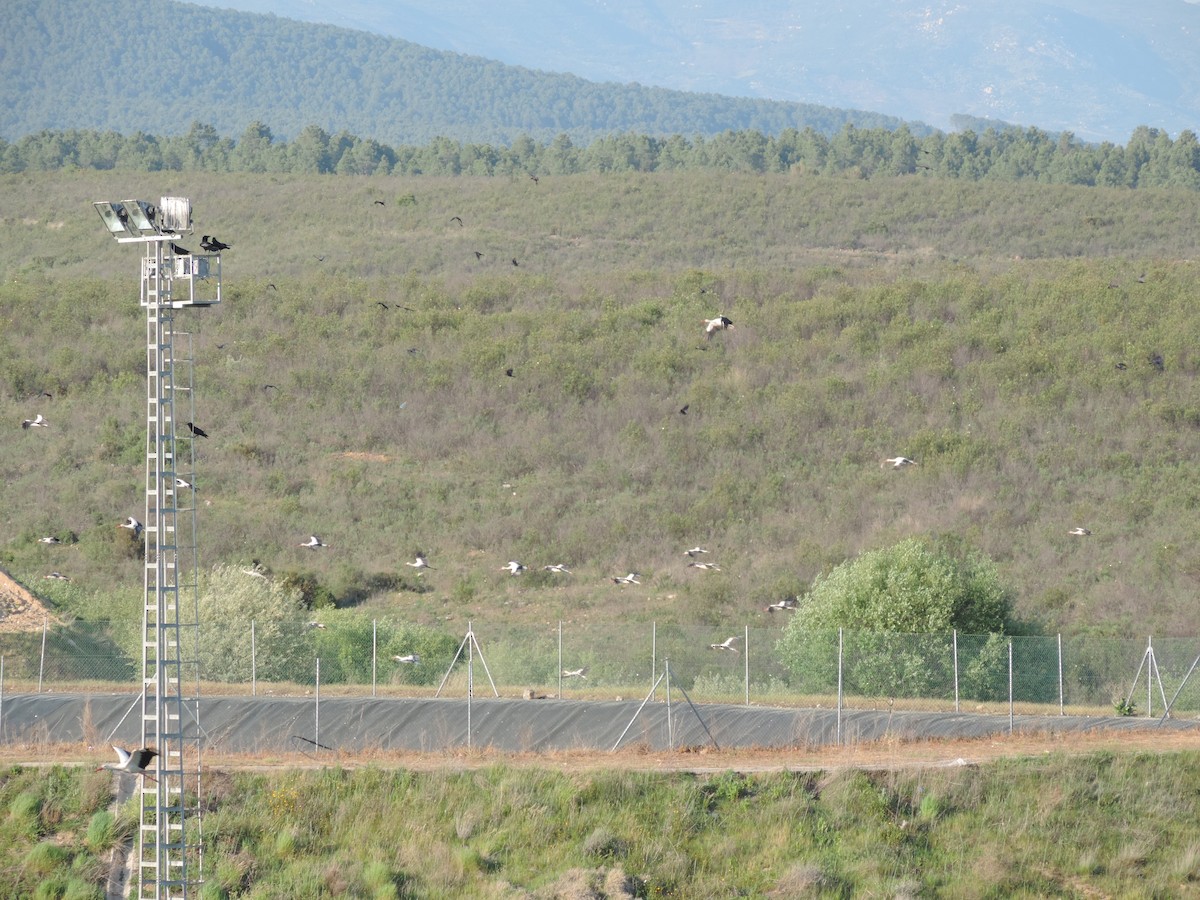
(1097, 68)
(158, 66)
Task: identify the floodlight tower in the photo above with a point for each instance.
(170, 838)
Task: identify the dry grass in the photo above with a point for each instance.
(886, 755)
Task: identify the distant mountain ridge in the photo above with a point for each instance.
(159, 66)
(1098, 68)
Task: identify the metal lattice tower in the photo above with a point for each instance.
(170, 835)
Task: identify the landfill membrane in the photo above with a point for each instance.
(259, 725)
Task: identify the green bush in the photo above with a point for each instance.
(898, 608)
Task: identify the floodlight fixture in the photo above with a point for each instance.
(175, 214)
(141, 215)
(116, 219)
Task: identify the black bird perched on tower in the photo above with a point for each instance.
(197, 430)
(212, 245)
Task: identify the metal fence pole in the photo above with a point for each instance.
(653, 658)
(374, 653)
(317, 710)
(42, 664)
(746, 661)
(470, 678)
(253, 662)
(1149, 676)
(956, 709)
(839, 692)
(1010, 688)
(1060, 676)
(670, 724)
(560, 662)
(1, 698)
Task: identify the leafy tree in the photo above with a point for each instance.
(899, 605)
(229, 602)
(913, 587)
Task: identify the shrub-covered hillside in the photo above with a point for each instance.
(534, 383)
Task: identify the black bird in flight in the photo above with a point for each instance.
(197, 430)
(380, 203)
(534, 178)
(509, 373)
(272, 287)
(381, 303)
(212, 245)
(180, 251)
(515, 263)
(478, 255)
(319, 258)
(457, 219)
(684, 409)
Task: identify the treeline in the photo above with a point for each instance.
(1151, 158)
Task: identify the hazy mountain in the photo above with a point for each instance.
(158, 66)
(1098, 68)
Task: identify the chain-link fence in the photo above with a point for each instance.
(749, 665)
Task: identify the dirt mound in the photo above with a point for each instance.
(19, 609)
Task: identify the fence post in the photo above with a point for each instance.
(653, 658)
(1060, 676)
(1150, 676)
(253, 662)
(470, 679)
(956, 709)
(558, 694)
(1, 698)
(374, 654)
(1010, 688)
(746, 644)
(670, 724)
(317, 710)
(839, 692)
(42, 663)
